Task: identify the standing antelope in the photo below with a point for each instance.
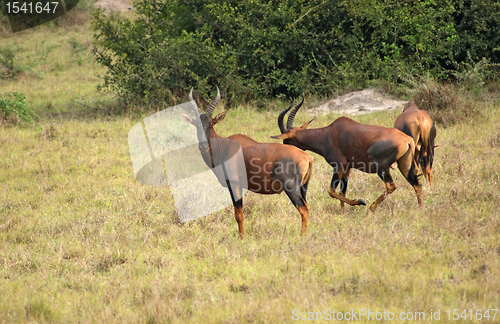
(346, 144)
(417, 124)
(270, 168)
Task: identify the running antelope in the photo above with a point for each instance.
(270, 168)
(417, 124)
(346, 144)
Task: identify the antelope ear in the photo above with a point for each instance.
(282, 136)
(188, 119)
(220, 117)
(307, 124)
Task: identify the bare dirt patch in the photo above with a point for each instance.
(358, 102)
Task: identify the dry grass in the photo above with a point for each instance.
(81, 241)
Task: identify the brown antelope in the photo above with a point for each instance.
(346, 144)
(270, 168)
(417, 124)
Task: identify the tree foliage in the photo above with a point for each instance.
(258, 48)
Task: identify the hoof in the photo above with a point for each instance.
(361, 201)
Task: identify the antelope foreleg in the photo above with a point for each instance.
(343, 185)
(340, 177)
(238, 213)
(351, 202)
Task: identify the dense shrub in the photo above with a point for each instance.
(447, 103)
(256, 48)
(15, 104)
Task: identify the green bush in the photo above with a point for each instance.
(448, 103)
(256, 49)
(7, 55)
(15, 103)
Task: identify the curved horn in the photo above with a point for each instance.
(190, 97)
(211, 108)
(280, 119)
(289, 123)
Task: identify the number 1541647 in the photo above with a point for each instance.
(14, 7)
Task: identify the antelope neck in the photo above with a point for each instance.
(213, 134)
(312, 140)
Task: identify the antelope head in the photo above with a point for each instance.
(289, 132)
(206, 127)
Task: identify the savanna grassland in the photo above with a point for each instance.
(82, 241)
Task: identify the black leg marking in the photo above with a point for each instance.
(385, 175)
(295, 196)
(335, 181)
(343, 186)
(430, 148)
(238, 204)
(303, 190)
(412, 177)
(230, 190)
(424, 161)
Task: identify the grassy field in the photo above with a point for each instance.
(54, 67)
(82, 241)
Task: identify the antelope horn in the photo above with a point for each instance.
(211, 108)
(280, 119)
(190, 97)
(289, 123)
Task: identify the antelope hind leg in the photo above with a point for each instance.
(299, 202)
(304, 213)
